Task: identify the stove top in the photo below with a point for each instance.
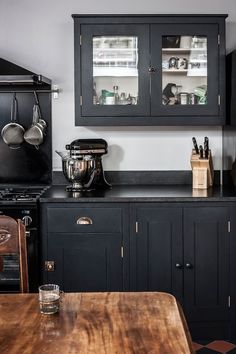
(21, 194)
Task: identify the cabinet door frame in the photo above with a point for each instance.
(88, 108)
(102, 249)
(176, 251)
(212, 107)
(191, 215)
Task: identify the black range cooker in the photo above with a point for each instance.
(25, 169)
(21, 202)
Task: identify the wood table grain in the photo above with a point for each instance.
(94, 323)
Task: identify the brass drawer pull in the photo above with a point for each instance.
(84, 220)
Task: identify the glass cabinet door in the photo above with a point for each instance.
(115, 70)
(185, 64)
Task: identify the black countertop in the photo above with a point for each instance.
(151, 193)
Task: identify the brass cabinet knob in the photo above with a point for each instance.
(84, 220)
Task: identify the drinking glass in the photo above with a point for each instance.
(49, 298)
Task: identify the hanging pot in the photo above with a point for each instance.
(35, 134)
(13, 133)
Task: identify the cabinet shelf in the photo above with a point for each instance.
(183, 50)
(115, 49)
(175, 71)
(115, 71)
(188, 72)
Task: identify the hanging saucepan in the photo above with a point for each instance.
(13, 133)
(34, 135)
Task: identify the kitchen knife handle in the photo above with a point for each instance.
(206, 152)
(206, 147)
(195, 145)
(201, 151)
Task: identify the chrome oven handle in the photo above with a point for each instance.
(27, 233)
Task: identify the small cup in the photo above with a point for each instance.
(49, 298)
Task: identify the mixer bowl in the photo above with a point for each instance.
(78, 171)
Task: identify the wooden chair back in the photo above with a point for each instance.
(13, 241)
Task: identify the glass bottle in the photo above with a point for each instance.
(95, 96)
(123, 99)
(116, 94)
(129, 99)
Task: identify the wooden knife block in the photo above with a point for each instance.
(203, 172)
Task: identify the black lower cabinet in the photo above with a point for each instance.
(86, 244)
(185, 251)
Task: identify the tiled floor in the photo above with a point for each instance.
(217, 346)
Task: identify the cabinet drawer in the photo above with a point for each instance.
(84, 220)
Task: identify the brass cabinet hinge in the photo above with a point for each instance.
(122, 251)
(136, 227)
(81, 100)
(80, 39)
(218, 100)
(218, 39)
(229, 226)
(229, 301)
(49, 266)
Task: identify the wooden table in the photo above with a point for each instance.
(94, 323)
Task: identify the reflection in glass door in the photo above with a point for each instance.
(115, 70)
(184, 70)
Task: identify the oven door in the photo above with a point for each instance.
(9, 264)
(9, 273)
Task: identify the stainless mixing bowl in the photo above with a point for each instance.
(78, 171)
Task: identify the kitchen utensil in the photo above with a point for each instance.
(170, 41)
(201, 93)
(192, 99)
(77, 170)
(195, 145)
(199, 42)
(185, 41)
(183, 98)
(13, 133)
(173, 62)
(108, 98)
(168, 97)
(34, 135)
(182, 63)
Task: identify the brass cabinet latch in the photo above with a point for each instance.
(49, 266)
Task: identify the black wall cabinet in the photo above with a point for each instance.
(149, 70)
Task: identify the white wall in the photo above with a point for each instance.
(38, 35)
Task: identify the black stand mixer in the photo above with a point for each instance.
(82, 165)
